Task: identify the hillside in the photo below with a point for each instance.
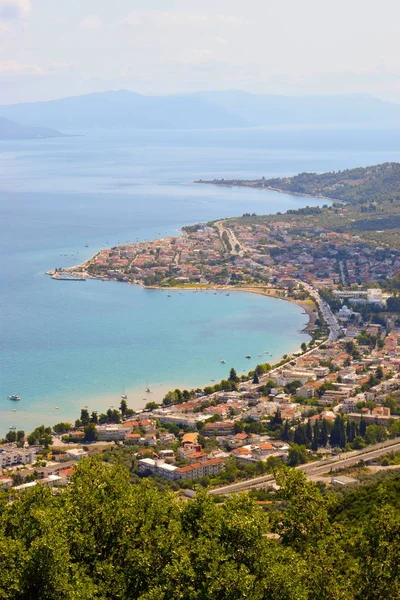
(228, 109)
(9, 130)
(377, 183)
(105, 537)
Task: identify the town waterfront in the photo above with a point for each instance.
(68, 344)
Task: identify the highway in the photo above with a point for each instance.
(314, 468)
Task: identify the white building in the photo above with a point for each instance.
(76, 453)
(9, 457)
(109, 433)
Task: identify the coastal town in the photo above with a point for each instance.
(335, 402)
(338, 396)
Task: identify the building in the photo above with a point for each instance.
(205, 468)
(218, 428)
(110, 433)
(75, 453)
(289, 375)
(11, 456)
(343, 480)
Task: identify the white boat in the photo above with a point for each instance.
(12, 427)
(14, 397)
(223, 361)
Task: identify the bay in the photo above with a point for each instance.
(70, 344)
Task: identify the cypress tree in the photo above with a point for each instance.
(363, 427)
(285, 432)
(324, 433)
(314, 443)
(309, 433)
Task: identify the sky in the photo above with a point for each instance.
(55, 48)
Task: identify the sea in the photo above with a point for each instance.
(66, 345)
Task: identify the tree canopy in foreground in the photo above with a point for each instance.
(104, 538)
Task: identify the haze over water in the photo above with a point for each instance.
(70, 344)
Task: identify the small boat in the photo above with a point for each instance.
(124, 397)
(14, 410)
(56, 407)
(14, 397)
(223, 361)
(12, 427)
(247, 356)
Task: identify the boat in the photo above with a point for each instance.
(12, 427)
(247, 356)
(14, 397)
(14, 410)
(124, 397)
(223, 361)
(56, 407)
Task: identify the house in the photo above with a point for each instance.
(76, 453)
(343, 480)
(5, 483)
(218, 428)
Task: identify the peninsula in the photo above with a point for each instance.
(352, 243)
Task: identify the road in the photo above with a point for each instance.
(315, 468)
(334, 327)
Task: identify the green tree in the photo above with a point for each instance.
(233, 376)
(297, 455)
(123, 407)
(84, 416)
(90, 432)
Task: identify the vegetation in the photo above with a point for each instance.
(105, 539)
(360, 185)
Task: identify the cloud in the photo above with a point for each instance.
(180, 18)
(14, 9)
(91, 22)
(16, 69)
(132, 19)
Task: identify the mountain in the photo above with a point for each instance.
(9, 130)
(262, 109)
(229, 109)
(122, 109)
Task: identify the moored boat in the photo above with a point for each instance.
(14, 397)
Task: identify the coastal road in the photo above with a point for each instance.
(315, 468)
(334, 327)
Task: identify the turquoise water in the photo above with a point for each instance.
(70, 344)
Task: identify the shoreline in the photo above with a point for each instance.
(137, 396)
(272, 189)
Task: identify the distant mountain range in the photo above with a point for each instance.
(9, 130)
(230, 109)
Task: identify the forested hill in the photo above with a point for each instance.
(376, 183)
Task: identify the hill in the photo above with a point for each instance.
(229, 109)
(377, 183)
(9, 130)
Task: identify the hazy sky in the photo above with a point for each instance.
(54, 48)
